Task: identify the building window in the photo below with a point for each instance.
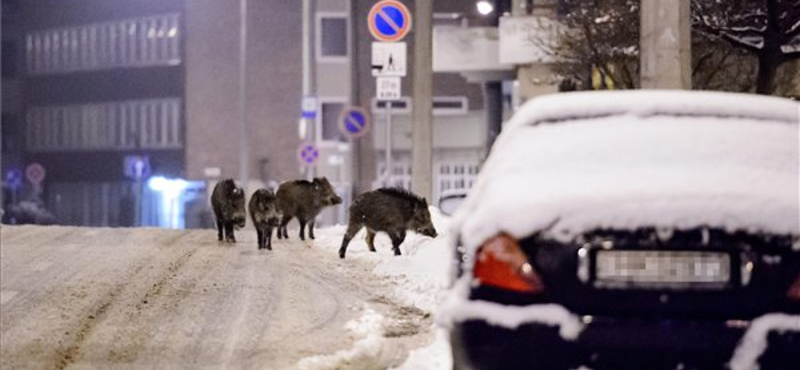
(332, 36)
(10, 133)
(402, 105)
(449, 19)
(137, 42)
(329, 120)
(9, 59)
(443, 105)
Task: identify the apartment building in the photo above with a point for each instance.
(106, 94)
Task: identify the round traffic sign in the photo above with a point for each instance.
(389, 20)
(35, 173)
(307, 154)
(353, 122)
(14, 179)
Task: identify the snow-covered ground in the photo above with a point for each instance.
(155, 298)
(422, 275)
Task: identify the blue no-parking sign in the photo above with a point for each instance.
(354, 122)
(389, 20)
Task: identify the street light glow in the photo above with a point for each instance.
(484, 7)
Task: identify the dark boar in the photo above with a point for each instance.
(227, 202)
(304, 200)
(390, 210)
(263, 208)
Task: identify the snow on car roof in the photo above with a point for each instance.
(647, 103)
(639, 159)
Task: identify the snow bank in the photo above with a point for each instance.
(365, 353)
(421, 277)
(640, 162)
(754, 342)
(457, 308)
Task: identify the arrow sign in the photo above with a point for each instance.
(389, 20)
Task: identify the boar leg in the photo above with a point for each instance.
(352, 229)
(267, 234)
(219, 230)
(229, 232)
(260, 235)
(302, 229)
(397, 239)
(311, 229)
(282, 234)
(371, 240)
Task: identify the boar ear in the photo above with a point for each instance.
(425, 202)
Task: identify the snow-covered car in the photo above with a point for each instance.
(632, 230)
(450, 200)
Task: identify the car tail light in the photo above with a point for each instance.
(794, 290)
(501, 263)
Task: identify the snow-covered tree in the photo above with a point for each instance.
(737, 45)
(603, 35)
(768, 29)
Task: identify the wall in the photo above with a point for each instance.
(273, 87)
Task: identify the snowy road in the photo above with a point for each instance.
(84, 298)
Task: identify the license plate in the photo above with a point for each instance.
(662, 269)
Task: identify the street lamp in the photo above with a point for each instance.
(484, 7)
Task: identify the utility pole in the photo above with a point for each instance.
(422, 107)
(309, 76)
(493, 93)
(244, 152)
(665, 44)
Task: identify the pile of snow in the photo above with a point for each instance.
(362, 356)
(574, 162)
(457, 308)
(754, 342)
(421, 274)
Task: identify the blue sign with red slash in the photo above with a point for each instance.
(353, 122)
(307, 154)
(389, 20)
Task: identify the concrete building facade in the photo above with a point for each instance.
(88, 84)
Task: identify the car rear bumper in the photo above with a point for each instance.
(621, 343)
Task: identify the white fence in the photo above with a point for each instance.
(136, 42)
(451, 171)
(123, 125)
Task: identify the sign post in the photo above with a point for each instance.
(35, 173)
(13, 181)
(389, 21)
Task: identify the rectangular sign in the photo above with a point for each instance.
(308, 107)
(389, 59)
(387, 88)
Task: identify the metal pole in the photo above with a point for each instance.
(422, 107)
(308, 72)
(387, 179)
(244, 160)
(493, 106)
